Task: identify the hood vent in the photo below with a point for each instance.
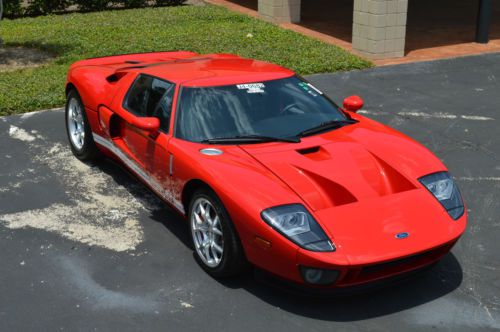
(313, 149)
(315, 153)
(328, 193)
(392, 181)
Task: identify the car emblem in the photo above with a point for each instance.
(402, 235)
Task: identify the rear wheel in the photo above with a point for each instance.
(216, 244)
(78, 129)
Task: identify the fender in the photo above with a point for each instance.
(93, 86)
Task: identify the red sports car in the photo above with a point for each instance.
(266, 168)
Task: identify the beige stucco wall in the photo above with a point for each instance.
(280, 11)
(379, 27)
(378, 30)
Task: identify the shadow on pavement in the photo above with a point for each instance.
(394, 297)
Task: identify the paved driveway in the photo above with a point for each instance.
(85, 248)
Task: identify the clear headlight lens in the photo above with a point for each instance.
(442, 186)
(296, 223)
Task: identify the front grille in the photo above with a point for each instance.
(368, 273)
(393, 264)
(406, 263)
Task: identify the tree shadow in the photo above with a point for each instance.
(394, 297)
(53, 49)
(76, 10)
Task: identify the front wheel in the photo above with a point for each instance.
(216, 244)
(78, 129)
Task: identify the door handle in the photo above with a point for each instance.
(171, 165)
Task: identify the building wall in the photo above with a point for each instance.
(379, 28)
(280, 11)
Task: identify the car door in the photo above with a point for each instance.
(158, 156)
(141, 100)
(147, 96)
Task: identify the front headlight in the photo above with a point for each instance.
(296, 223)
(442, 186)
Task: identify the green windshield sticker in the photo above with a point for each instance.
(311, 89)
(252, 88)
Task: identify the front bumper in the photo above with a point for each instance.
(356, 275)
(302, 289)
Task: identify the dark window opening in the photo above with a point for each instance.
(151, 97)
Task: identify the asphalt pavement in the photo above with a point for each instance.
(90, 248)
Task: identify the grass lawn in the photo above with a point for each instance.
(208, 29)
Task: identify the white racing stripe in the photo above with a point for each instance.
(428, 115)
(475, 117)
(480, 178)
(155, 185)
(438, 115)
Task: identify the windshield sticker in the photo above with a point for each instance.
(252, 88)
(314, 88)
(309, 88)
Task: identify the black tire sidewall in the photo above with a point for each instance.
(89, 150)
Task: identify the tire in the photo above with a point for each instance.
(232, 260)
(78, 129)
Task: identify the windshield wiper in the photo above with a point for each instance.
(248, 139)
(324, 126)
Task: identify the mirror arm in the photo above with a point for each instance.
(154, 134)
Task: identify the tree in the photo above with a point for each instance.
(1, 15)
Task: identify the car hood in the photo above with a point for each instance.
(361, 183)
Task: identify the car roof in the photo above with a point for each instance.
(214, 70)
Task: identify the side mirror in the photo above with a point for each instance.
(150, 124)
(353, 103)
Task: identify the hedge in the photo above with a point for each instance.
(20, 8)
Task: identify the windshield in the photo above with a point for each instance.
(280, 108)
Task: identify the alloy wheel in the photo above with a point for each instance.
(76, 124)
(206, 230)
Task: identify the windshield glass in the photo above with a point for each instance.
(279, 108)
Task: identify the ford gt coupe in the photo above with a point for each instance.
(267, 170)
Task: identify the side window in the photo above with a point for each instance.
(164, 108)
(137, 98)
(150, 96)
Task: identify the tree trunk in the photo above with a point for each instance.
(1, 15)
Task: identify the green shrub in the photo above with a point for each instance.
(42, 7)
(169, 2)
(91, 5)
(12, 8)
(133, 3)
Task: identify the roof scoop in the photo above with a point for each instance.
(116, 76)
